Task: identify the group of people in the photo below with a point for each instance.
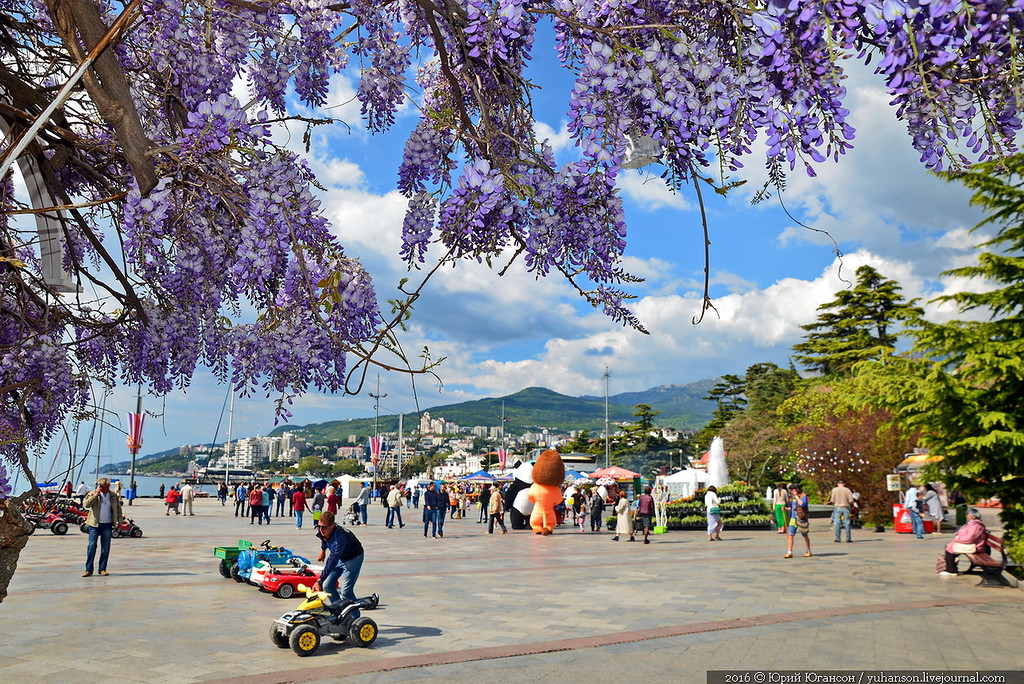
(182, 496)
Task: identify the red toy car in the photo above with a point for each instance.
(284, 582)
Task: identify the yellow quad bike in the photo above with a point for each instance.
(303, 628)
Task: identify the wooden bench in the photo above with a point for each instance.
(990, 568)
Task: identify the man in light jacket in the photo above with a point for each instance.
(104, 512)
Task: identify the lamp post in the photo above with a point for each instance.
(607, 444)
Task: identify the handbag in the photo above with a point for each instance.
(960, 547)
(714, 510)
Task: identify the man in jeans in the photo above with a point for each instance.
(432, 509)
(395, 499)
(842, 498)
(344, 563)
(104, 512)
(363, 500)
(910, 502)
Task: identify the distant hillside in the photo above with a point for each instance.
(681, 406)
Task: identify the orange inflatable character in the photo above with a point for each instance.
(546, 492)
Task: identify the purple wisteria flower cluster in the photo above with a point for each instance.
(215, 218)
(5, 483)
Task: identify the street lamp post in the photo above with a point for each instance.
(607, 445)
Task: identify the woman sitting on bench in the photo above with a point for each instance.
(969, 539)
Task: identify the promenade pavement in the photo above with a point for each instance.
(475, 607)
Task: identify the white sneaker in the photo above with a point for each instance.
(948, 574)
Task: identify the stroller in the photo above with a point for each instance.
(352, 515)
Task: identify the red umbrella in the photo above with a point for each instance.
(615, 472)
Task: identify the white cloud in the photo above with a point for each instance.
(649, 191)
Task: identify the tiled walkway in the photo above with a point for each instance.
(517, 607)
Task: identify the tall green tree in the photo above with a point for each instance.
(964, 388)
(729, 395)
(861, 323)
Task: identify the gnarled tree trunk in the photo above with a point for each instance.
(14, 532)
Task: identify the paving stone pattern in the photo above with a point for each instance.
(517, 607)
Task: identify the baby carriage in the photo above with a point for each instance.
(352, 515)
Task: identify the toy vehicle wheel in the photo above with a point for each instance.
(225, 568)
(304, 640)
(363, 632)
(285, 591)
(136, 532)
(115, 532)
(279, 638)
(234, 573)
(84, 528)
(60, 527)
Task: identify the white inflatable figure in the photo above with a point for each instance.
(516, 502)
(661, 506)
(602, 492)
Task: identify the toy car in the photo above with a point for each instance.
(248, 560)
(284, 582)
(48, 520)
(303, 628)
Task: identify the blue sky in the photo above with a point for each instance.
(501, 335)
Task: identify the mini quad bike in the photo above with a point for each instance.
(303, 628)
(127, 528)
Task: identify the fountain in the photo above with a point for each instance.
(718, 471)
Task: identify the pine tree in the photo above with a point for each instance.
(857, 325)
(964, 393)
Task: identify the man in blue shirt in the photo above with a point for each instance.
(241, 498)
(344, 563)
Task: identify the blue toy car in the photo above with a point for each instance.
(253, 560)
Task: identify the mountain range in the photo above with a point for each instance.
(680, 406)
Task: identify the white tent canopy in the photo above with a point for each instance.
(685, 482)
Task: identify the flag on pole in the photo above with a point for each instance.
(375, 444)
(135, 422)
(502, 457)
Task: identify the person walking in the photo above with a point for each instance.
(485, 503)
(104, 512)
(188, 496)
(241, 499)
(333, 500)
(842, 498)
(299, 506)
(266, 501)
(416, 497)
(222, 493)
(255, 504)
(363, 500)
(282, 496)
(596, 511)
(444, 507)
(171, 501)
(495, 512)
(82, 490)
(645, 507)
(432, 503)
(798, 519)
(623, 518)
(713, 507)
(932, 505)
(780, 502)
(912, 502)
(395, 507)
(343, 564)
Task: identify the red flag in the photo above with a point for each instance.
(502, 457)
(135, 422)
(375, 443)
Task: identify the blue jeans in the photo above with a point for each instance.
(841, 519)
(298, 520)
(343, 577)
(362, 512)
(103, 532)
(392, 513)
(429, 520)
(917, 523)
(441, 513)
